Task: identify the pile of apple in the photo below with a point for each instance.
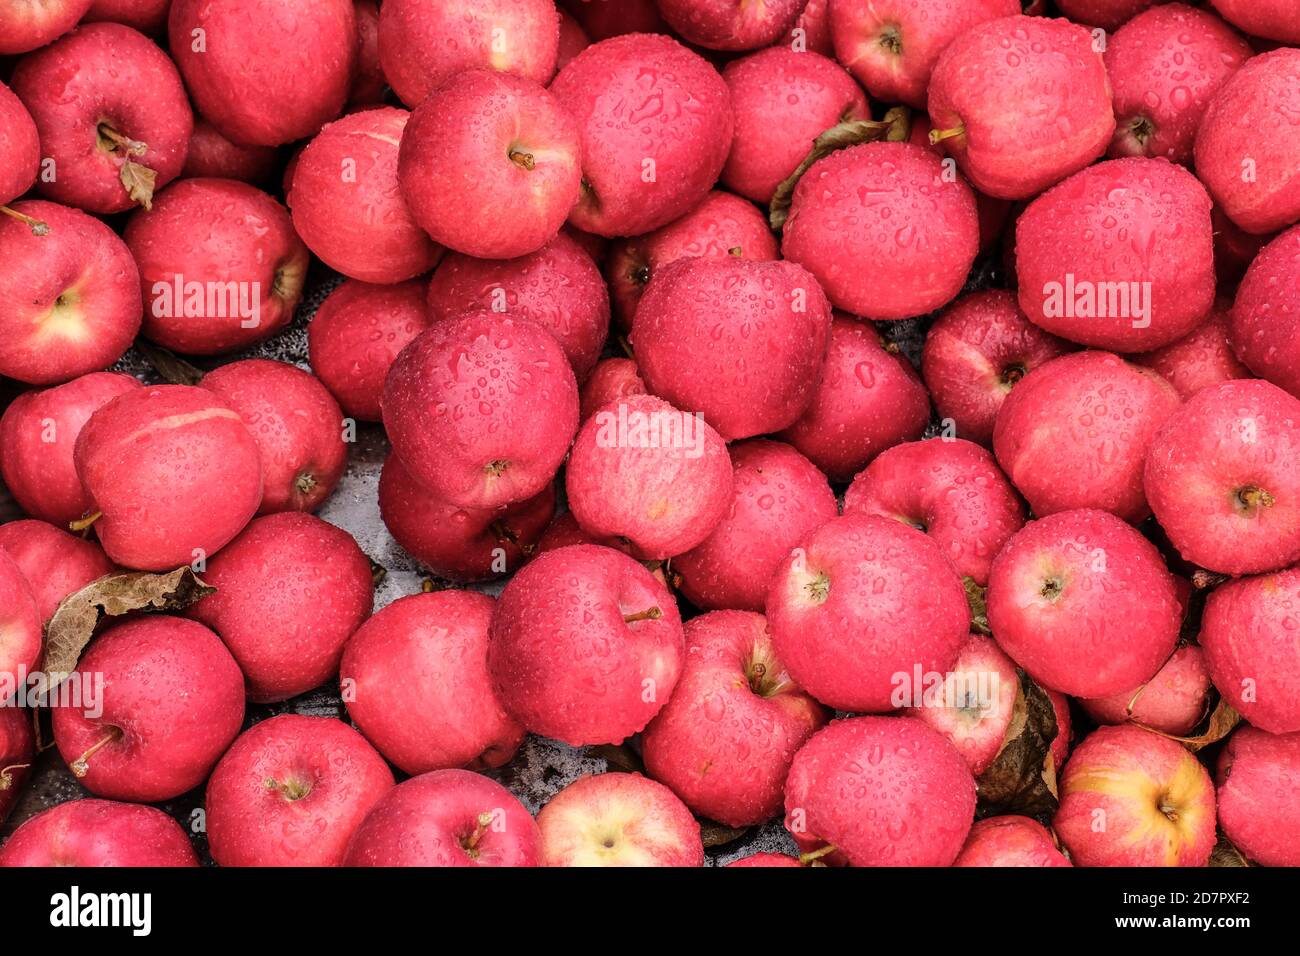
(612, 273)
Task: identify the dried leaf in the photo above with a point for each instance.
(1220, 725)
(1227, 855)
(979, 614)
(139, 181)
(75, 620)
(715, 834)
(1022, 779)
(620, 757)
(173, 370)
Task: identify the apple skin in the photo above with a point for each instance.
(811, 33)
(993, 214)
(461, 544)
(99, 833)
(783, 100)
(566, 662)
(727, 367)
(1130, 797)
(978, 349)
(1271, 19)
(147, 16)
(573, 40)
(869, 398)
(287, 638)
(266, 75)
(1110, 15)
(175, 473)
(983, 82)
(618, 819)
(1060, 749)
(368, 81)
(17, 751)
(687, 138)
(1075, 432)
(291, 791)
(891, 46)
(417, 684)
(1084, 603)
(20, 144)
(779, 498)
(1247, 122)
(359, 224)
(907, 253)
(212, 156)
(297, 425)
(1261, 326)
(1010, 841)
(104, 74)
(216, 231)
(1173, 701)
(423, 45)
(611, 380)
(724, 741)
(725, 25)
(885, 791)
(69, 300)
(488, 439)
(664, 498)
(559, 287)
(603, 19)
(40, 474)
(26, 26)
(1202, 357)
(859, 601)
(1258, 805)
(430, 820)
(355, 336)
(166, 743)
(1234, 248)
(55, 563)
(952, 490)
(20, 621)
(765, 859)
(721, 225)
(1223, 478)
(1165, 65)
(1253, 666)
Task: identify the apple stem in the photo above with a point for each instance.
(130, 146)
(305, 483)
(471, 842)
(290, 790)
(1252, 498)
(6, 780)
(815, 855)
(81, 766)
(939, 135)
(649, 614)
(523, 159)
(82, 524)
(38, 227)
(1204, 580)
(505, 535)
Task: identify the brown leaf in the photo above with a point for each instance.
(1227, 855)
(140, 182)
(173, 370)
(979, 614)
(1220, 725)
(620, 757)
(1022, 779)
(715, 834)
(75, 620)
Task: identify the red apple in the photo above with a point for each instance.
(291, 791)
(20, 622)
(1234, 248)
(726, 25)
(603, 19)
(1173, 701)
(1010, 841)
(55, 563)
(1107, 14)
(415, 679)
(573, 40)
(1272, 19)
(564, 530)
(21, 146)
(765, 859)
(1060, 748)
(99, 833)
(147, 16)
(25, 26)
(1261, 325)
(368, 80)
(612, 380)
(211, 155)
(1202, 357)
(17, 751)
(1257, 798)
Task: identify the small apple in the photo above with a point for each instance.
(212, 156)
(1010, 841)
(726, 25)
(612, 380)
(1259, 326)
(1202, 357)
(99, 833)
(1173, 701)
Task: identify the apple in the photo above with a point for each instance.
(1260, 324)
(727, 25)
(461, 544)
(55, 563)
(347, 201)
(779, 497)
(618, 819)
(1159, 104)
(564, 530)
(869, 398)
(1021, 103)
(891, 46)
(17, 751)
(1234, 248)
(99, 833)
(1060, 748)
(368, 80)
(1272, 19)
(1130, 797)
(356, 334)
(1075, 432)
(21, 144)
(141, 742)
(949, 488)
(415, 679)
(211, 155)
(906, 252)
(1247, 129)
(643, 470)
(262, 74)
(147, 16)
(1084, 603)
(655, 125)
(291, 791)
(38, 432)
(859, 601)
(1257, 803)
(559, 287)
(446, 818)
(1223, 478)
(765, 859)
(993, 213)
(603, 19)
(612, 380)
(221, 267)
(1110, 15)
(586, 646)
(25, 26)
(880, 791)
(723, 367)
(297, 425)
(1202, 357)
(721, 225)
(69, 298)
(724, 741)
(1010, 841)
(423, 45)
(287, 633)
(481, 409)
(1173, 701)
(20, 622)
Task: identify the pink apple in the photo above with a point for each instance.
(573, 40)
(1060, 748)
(1084, 603)
(368, 80)
(611, 380)
(291, 791)
(726, 25)
(147, 16)
(1260, 325)
(21, 145)
(618, 819)
(17, 751)
(1010, 841)
(564, 530)
(1257, 799)
(1202, 357)
(586, 646)
(765, 859)
(415, 679)
(1234, 248)
(211, 155)
(20, 622)
(1273, 19)
(1173, 701)
(603, 19)
(1107, 14)
(25, 26)
(99, 833)
(55, 563)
